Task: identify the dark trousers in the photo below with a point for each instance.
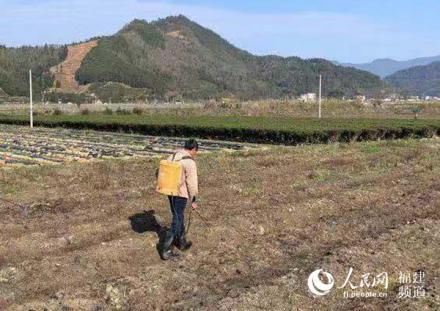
(177, 205)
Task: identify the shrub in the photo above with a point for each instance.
(57, 112)
(287, 131)
(85, 111)
(108, 111)
(122, 111)
(211, 105)
(138, 110)
(416, 110)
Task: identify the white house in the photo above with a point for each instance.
(309, 97)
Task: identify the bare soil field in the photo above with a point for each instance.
(84, 235)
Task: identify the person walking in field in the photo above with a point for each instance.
(181, 164)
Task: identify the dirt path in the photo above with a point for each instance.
(65, 72)
(86, 236)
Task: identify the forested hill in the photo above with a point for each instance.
(420, 80)
(16, 62)
(177, 57)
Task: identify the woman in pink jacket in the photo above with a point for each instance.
(188, 191)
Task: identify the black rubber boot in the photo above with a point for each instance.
(182, 244)
(165, 246)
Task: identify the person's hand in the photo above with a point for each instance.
(194, 205)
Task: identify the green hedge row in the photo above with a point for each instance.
(290, 136)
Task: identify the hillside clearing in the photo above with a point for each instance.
(64, 73)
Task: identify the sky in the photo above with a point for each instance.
(354, 31)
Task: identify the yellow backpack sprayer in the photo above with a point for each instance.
(169, 176)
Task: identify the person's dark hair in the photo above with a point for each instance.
(190, 144)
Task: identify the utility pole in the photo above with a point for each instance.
(30, 96)
(320, 96)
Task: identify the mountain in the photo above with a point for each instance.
(385, 67)
(419, 80)
(175, 57)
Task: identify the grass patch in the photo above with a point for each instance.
(368, 148)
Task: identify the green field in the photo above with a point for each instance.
(285, 130)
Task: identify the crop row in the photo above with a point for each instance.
(23, 146)
(289, 131)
